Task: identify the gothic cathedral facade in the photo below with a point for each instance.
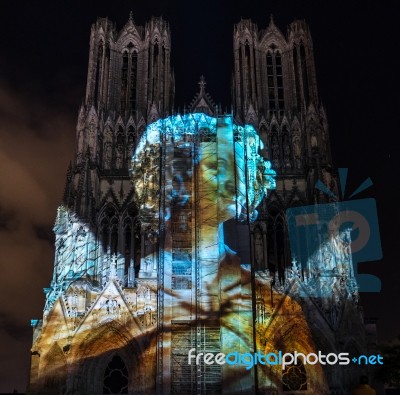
(172, 236)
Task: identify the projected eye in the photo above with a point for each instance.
(210, 165)
(222, 163)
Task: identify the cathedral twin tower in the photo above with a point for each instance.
(154, 205)
(131, 84)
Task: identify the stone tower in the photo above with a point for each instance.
(275, 89)
(172, 234)
(129, 85)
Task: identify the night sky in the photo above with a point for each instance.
(43, 65)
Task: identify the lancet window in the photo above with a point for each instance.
(278, 249)
(129, 78)
(276, 100)
(109, 229)
(99, 64)
(300, 73)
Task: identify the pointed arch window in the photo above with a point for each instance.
(116, 377)
(248, 69)
(98, 72)
(133, 80)
(241, 79)
(286, 147)
(114, 236)
(304, 72)
(129, 78)
(119, 153)
(128, 245)
(124, 80)
(162, 72)
(131, 138)
(300, 74)
(109, 229)
(279, 81)
(296, 77)
(104, 232)
(278, 251)
(155, 72)
(149, 63)
(128, 242)
(131, 135)
(275, 147)
(276, 100)
(105, 74)
(270, 81)
(130, 144)
(120, 136)
(107, 150)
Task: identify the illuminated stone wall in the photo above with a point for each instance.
(192, 175)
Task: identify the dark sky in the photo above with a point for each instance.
(43, 66)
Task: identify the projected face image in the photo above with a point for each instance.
(217, 176)
(206, 180)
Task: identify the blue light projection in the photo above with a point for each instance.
(329, 240)
(247, 181)
(80, 258)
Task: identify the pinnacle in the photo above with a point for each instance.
(202, 84)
